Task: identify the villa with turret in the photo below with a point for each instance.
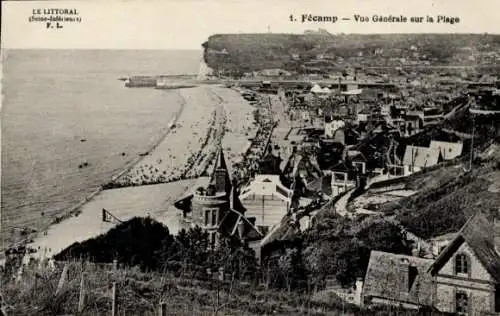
(221, 210)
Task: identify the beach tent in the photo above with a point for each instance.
(352, 92)
(316, 88)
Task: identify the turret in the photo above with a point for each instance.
(220, 176)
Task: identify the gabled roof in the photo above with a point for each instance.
(386, 274)
(478, 232)
(341, 167)
(448, 150)
(231, 222)
(266, 184)
(420, 156)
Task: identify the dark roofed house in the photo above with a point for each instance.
(464, 279)
(399, 280)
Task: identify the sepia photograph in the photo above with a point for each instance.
(233, 157)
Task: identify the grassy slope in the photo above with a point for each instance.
(445, 200)
(139, 293)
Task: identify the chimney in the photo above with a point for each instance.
(404, 268)
(359, 291)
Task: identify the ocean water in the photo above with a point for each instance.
(65, 107)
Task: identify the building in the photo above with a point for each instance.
(398, 280)
(464, 279)
(210, 204)
(448, 150)
(416, 158)
(331, 126)
(467, 271)
(266, 200)
(412, 125)
(343, 178)
(216, 207)
(364, 115)
(358, 161)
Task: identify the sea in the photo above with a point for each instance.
(68, 125)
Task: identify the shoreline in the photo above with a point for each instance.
(219, 105)
(76, 209)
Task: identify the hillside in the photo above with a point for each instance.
(238, 53)
(160, 271)
(446, 198)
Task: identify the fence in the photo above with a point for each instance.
(96, 282)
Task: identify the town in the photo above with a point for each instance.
(371, 178)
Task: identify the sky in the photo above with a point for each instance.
(186, 24)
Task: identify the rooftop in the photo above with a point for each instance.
(386, 275)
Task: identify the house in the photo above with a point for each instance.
(216, 207)
(416, 158)
(358, 160)
(467, 271)
(412, 124)
(266, 200)
(364, 115)
(398, 280)
(331, 126)
(343, 178)
(448, 150)
(464, 279)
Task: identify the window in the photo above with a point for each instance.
(461, 303)
(211, 217)
(461, 264)
(214, 217)
(207, 216)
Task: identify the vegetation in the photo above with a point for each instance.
(139, 293)
(174, 270)
(237, 53)
(445, 201)
(148, 245)
(339, 247)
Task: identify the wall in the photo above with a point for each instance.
(268, 210)
(478, 285)
(201, 203)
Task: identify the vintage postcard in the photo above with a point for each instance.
(233, 157)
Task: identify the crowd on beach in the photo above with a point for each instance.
(190, 149)
(176, 155)
(263, 117)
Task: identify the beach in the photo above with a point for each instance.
(62, 109)
(210, 116)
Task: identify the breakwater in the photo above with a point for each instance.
(153, 81)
